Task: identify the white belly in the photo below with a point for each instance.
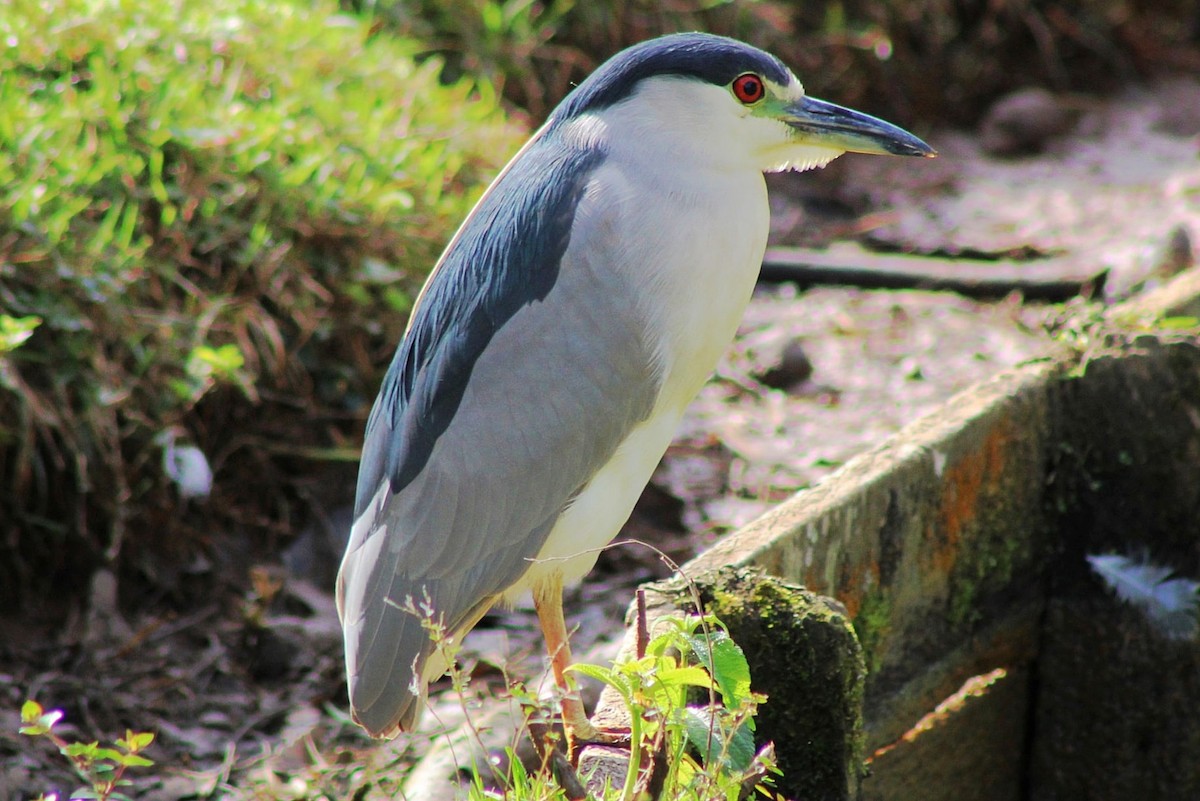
(600, 510)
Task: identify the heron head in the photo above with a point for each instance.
(721, 102)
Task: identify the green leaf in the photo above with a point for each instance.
(137, 740)
(616, 679)
(13, 332)
(30, 712)
(717, 652)
(597, 672)
(685, 676)
(673, 637)
(519, 775)
(1178, 323)
(739, 753)
(134, 761)
(82, 750)
(707, 734)
(38, 720)
(703, 731)
(110, 754)
(223, 361)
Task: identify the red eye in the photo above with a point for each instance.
(748, 88)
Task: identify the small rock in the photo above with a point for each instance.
(792, 367)
(104, 623)
(1176, 254)
(1180, 110)
(1022, 122)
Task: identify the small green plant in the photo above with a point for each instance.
(15, 330)
(691, 710)
(102, 768)
(708, 748)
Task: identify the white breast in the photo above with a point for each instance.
(694, 255)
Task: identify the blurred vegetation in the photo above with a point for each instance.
(938, 61)
(213, 220)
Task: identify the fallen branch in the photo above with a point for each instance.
(1052, 279)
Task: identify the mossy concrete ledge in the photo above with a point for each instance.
(804, 657)
(958, 542)
(935, 542)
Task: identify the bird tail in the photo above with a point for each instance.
(389, 665)
(387, 643)
(390, 622)
(390, 660)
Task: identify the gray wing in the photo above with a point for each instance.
(523, 370)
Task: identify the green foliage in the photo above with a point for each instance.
(878, 56)
(690, 703)
(534, 52)
(102, 768)
(689, 696)
(709, 748)
(503, 41)
(206, 366)
(218, 195)
(522, 785)
(15, 330)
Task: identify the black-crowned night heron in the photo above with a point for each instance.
(553, 350)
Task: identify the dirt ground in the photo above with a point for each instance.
(247, 698)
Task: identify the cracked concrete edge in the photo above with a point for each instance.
(918, 535)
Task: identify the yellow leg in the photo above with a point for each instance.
(547, 600)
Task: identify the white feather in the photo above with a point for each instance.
(186, 465)
(1172, 604)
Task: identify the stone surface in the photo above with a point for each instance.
(925, 539)
(969, 747)
(1116, 708)
(804, 656)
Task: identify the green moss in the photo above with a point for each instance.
(997, 550)
(871, 626)
(988, 564)
(804, 656)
